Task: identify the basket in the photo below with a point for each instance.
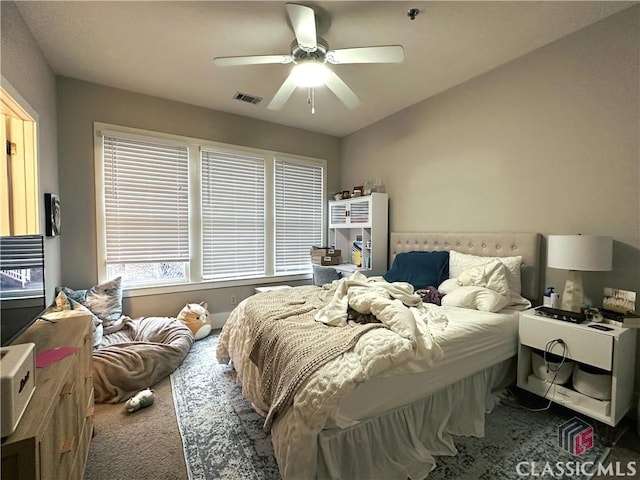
(592, 382)
(548, 372)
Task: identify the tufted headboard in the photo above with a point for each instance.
(484, 244)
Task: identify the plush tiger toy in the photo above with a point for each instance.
(196, 317)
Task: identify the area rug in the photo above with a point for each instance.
(520, 443)
(223, 437)
(221, 434)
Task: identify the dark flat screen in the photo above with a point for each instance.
(22, 292)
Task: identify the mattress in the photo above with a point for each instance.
(472, 341)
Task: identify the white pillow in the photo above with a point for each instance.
(492, 275)
(477, 298)
(448, 286)
(459, 262)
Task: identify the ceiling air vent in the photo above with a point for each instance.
(245, 97)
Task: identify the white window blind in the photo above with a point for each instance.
(233, 214)
(146, 201)
(298, 213)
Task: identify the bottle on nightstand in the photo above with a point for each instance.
(551, 299)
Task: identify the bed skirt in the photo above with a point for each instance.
(402, 443)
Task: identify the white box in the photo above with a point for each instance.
(17, 384)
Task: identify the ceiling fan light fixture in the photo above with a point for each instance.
(310, 73)
(310, 54)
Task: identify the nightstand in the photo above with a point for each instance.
(612, 352)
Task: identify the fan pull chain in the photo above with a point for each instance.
(311, 99)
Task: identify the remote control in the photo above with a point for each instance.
(600, 327)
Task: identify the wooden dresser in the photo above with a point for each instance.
(52, 439)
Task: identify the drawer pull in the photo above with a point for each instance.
(67, 389)
(67, 445)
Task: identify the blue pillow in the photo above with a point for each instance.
(420, 269)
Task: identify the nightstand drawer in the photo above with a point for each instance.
(584, 344)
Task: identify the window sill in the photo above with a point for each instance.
(189, 287)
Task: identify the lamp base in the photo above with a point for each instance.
(573, 295)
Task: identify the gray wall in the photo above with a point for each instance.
(82, 103)
(23, 65)
(547, 143)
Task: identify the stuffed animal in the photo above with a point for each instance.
(196, 317)
(142, 399)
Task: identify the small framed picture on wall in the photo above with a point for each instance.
(52, 214)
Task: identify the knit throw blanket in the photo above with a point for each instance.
(289, 345)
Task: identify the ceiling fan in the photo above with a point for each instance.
(310, 55)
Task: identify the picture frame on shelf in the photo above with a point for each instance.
(52, 214)
(617, 300)
(346, 194)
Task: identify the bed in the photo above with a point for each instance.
(391, 394)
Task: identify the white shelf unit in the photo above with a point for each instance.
(613, 351)
(367, 218)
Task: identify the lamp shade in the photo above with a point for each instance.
(580, 252)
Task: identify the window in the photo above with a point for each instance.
(175, 210)
(298, 210)
(146, 210)
(233, 215)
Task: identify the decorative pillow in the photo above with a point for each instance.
(448, 286)
(477, 298)
(322, 275)
(420, 269)
(459, 262)
(75, 295)
(104, 300)
(60, 303)
(63, 307)
(518, 302)
(492, 275)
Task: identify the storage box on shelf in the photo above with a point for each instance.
(51, 441)
(326, 256)
(322, 252)
(601, 384)
(360, 223)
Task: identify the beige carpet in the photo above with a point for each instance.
(143, 445)
(147, 444)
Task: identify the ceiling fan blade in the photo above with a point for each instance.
(283, 94)
(303, 21)
(383, 54)
(342, 91)
(251, 60)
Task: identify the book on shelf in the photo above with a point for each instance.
(628, 320)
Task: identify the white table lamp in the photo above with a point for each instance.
(578, 253)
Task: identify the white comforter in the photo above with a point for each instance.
(407, 341)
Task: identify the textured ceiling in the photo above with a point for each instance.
(166, 49)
